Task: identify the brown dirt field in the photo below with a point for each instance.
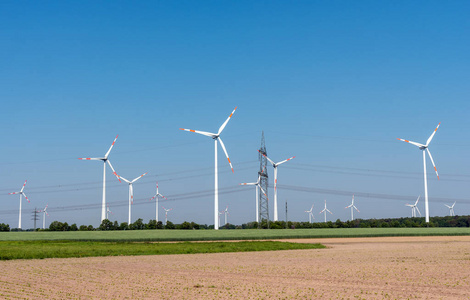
(354, 268)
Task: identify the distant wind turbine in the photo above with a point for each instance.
(352, 206)
(21, 198)
(451, 209)
(325, 210)
(215, 137)
(258, 185)
(157, 194)
(166, 214)
(104, 159)
(424, 148)
(131, 192)
(275, 165)
(108, 211)
(310, 214)
(414, 208)
(226, 214)
(44, 213)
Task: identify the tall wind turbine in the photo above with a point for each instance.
(258, 185)
(157, 194)
(226, 214)
(104, 159)
(215, 137)
(166, 214)
(131, 192)
(352, 206)
(414, 208)
(108, 211)
(325, 210)
(424, 148)
(451, 209)
(44, 211)
(21, 198)
(310, 214)
(275, 165)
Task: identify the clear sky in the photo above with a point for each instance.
(332, 82)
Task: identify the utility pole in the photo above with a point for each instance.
(286, 213)
(35, 217)
(263, 172)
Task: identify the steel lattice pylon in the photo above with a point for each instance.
(263, 171)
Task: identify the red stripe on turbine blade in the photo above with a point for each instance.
(229, 160)
(192, 130)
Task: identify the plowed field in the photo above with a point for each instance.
(354, 268)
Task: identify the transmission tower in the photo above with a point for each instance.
(263, 172)
(35, 217)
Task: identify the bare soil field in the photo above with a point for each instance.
(350, 268)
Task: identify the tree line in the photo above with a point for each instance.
(455, 221)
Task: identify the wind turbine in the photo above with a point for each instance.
(215, 137)
(44, 211)
(166, 214)
(108, 211)
(104, 159)
(21, 198)
(352, 206)
(275, 165)
(325, 210)
(423, 148)
(451, 209)
(414, 208)
(131, 192)
(258, 185)
(220, 213)
(157, 194)
(226, 213)
(310, 214)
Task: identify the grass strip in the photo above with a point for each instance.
(64, 249)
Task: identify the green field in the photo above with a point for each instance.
(218, 235)
(65, 249)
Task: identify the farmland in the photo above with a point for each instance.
(430, 267)
(219, 235)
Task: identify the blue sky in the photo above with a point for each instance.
(332, 82)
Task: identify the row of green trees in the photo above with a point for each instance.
(456, 221)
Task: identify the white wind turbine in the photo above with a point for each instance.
(310, 214)
(226, 214)
(220, 213)
(325, 210)
(451, 209)
(215, 137)
(21, 198)
(131, 192)
(108, 211)
(352, 206)
(44, 211)
(157, 194)
(414, 208)
(104, 159)
(258, 185)
(424, 148)
(275, 165)
(166, 214)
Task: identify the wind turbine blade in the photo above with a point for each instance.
(447, 206)
(212, 135)
(162, 196)
(329, 211)
(418, 210)
(249, 183)
(91, 158)
(409, 205)
(225, 151)
(267, 158)
(356, 209)
(348, 206)
(432, 161)
(416, 203)
(135, 179)
(112, 145)
(153, 198)
(124, 179)
(14, 193)
(114, 172)
(323, 211)
(454, 204)
(432, 135)
(416, 144)
(226, 121)
(277, 164)
(263, 192)
(26, 197)
(23, 185)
